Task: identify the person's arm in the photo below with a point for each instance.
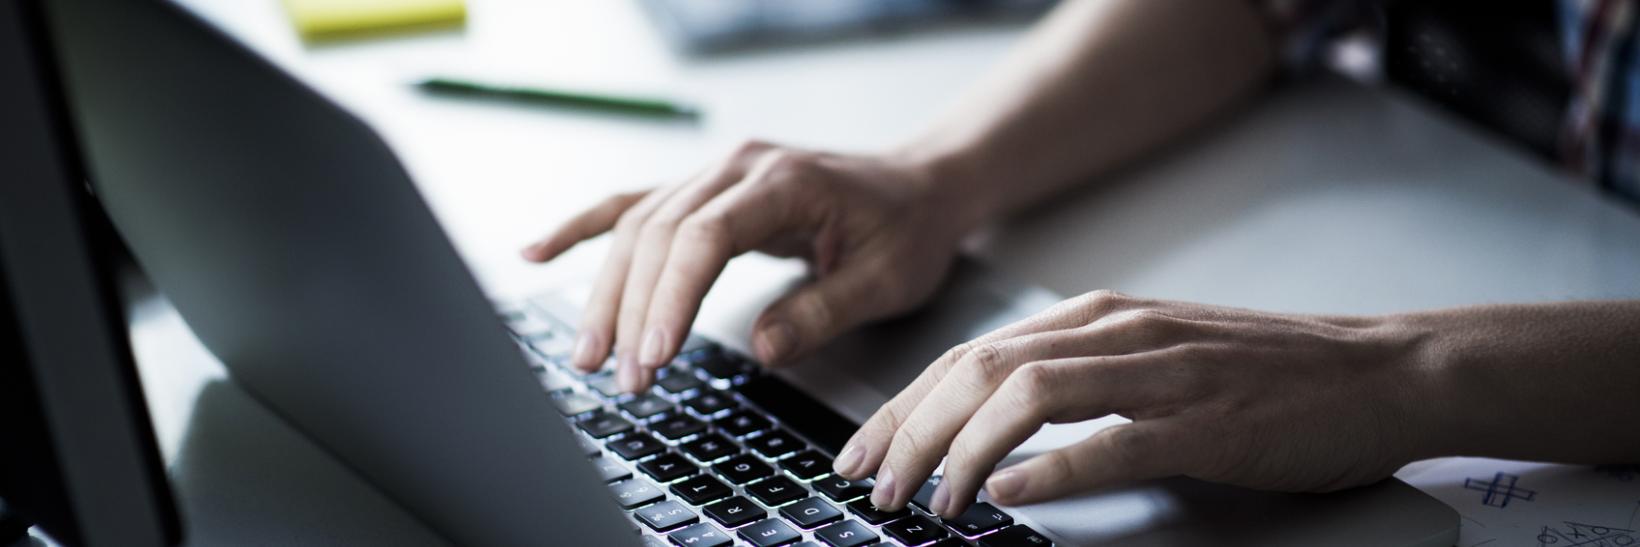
(1262, 400)
(1099, 82)
(1551, 382)
(1096, 84)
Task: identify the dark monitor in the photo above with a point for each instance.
(78, 457)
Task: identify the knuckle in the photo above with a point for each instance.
(910, 440)
(963, 456)
(1194, 353)
(988, 361)
(1031, 384)
(630, 221)
(814, 306)
(1149, 321)
(1099, 303)
(708, 227)
(955, 354)
(1127, 446)
(1059, 465)
(786, 163)
(751, 147)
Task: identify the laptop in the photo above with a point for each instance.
(296, 247)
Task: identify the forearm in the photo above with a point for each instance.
(1099, 82)
(1553, 382)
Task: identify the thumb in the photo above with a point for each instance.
(816, 312)
(1113, 456)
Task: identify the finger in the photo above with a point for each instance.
(741, 218)
(640, 351)
(1116, 455)
(1056, 391)
(656, 344)
(818, 311)
(864, 452)
(595, 334)
(586, 225)
(1016, 365)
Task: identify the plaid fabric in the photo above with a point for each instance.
(1600, 140)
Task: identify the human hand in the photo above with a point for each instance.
(1261, 400)
(877, 235)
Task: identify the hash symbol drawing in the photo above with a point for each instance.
(1499, 490)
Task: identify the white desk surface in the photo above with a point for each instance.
(1329, 198)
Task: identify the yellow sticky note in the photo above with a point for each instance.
(319, 19)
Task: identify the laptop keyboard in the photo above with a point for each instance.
(717, 454)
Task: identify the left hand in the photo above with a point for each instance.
(1261, 400)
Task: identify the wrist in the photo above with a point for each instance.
(1420, 383)
(951, 181)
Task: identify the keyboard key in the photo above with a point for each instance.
(694, 343)
(867, 512)
(576, 404)
(636, 493)
(700, 535)
(810, 513)
(605, 425)
(914, 530)
(775, 444)
(636, 446)
(807, 465)
(720, 365)
(742, 469)
(978, 519)
(735, 512)
(666, 515)
(845, 534)
(741, 424)
(701, 490)
(554, 381)
(710, 448)
(604, 383)
(776, 491)
(610, 470)
(646, 406)
(668, 467)
(949, 542)
(769, 533)
(839, 489)
(679, 382)
(589, 447)
(710, 402)
(678, 426)
(925, 493)
(1016, 536)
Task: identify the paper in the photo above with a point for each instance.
(1522, 503)
(318, 19)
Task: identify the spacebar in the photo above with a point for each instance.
(805, 415)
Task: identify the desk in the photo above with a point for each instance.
(1329, 197)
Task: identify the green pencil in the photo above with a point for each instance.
(647, 106)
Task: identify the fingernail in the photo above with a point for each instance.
(654, 348)
(1005, 486)
(883, 493)
(942, 497)
(775, 340)
(583, 357)
(848, 460)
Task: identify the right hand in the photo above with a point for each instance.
(877, 237)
